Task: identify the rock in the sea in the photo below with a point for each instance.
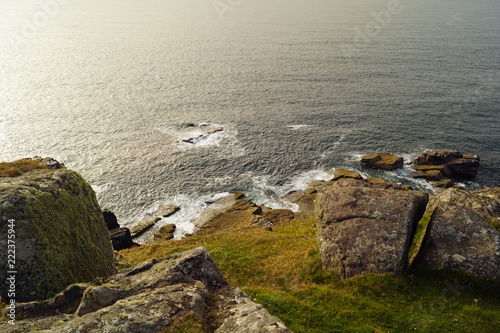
(451, 163)
(61, 235)
(304, 199)
(178, 292)
(166, 210)
(383, 161)
(121, 239)
(166, 232)
(110, 218)
(143, 225)
(473, 217)
(366, 228)
(462, 235)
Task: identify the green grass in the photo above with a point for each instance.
(281, 269)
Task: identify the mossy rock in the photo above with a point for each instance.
(61, 235)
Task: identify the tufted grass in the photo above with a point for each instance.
(17, 168)
(281, 269)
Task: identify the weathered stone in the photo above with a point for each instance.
(157, 295)
(228, 213)
(304, 199)
(166, 232)
(96, 298)
(61, 235)
(431, 175)
(111, 220)
(143, 225)
(386, 161)
(345, 173)
(363, 228)
(445, 170)
(372, 158)
(121, 239)
(276, 217)
(454, 163)
(459, 238)
(443, 183)
(166, 210)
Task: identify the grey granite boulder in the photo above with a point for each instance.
(366, 228)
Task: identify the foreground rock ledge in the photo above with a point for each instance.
(156, 295)
(366, 228)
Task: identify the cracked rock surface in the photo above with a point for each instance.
(178, 291)
(365, 227)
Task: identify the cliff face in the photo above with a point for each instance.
(60, 233)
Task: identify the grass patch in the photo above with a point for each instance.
(17, 168)
(281, 269)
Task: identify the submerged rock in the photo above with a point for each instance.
(175, 293)
(366, 228)
(61, 235)
(383, 161)
(166, 210)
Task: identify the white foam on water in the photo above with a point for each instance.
(190, 208)
(298, 127)
(266, 194)
(199, 136)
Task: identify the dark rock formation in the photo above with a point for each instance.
(364, 227)
(463, 233)
(438, 164)
(383, 161)
(111, 220)
(157, 295)
(121, 239)
(61, 235)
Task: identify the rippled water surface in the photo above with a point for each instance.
(111, 87)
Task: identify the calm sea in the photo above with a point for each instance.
(109, 87)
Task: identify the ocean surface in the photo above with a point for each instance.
(299, 87)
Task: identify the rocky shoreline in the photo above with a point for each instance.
(363, 226)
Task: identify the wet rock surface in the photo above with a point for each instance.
(383, 161)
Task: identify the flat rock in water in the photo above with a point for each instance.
(166, 210)
(364, 228)
(383, 161)
(141, 226)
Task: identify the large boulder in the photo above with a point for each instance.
(463, 233)
(383, 161)
(180, 292)
(60, 233)
(366, 227)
